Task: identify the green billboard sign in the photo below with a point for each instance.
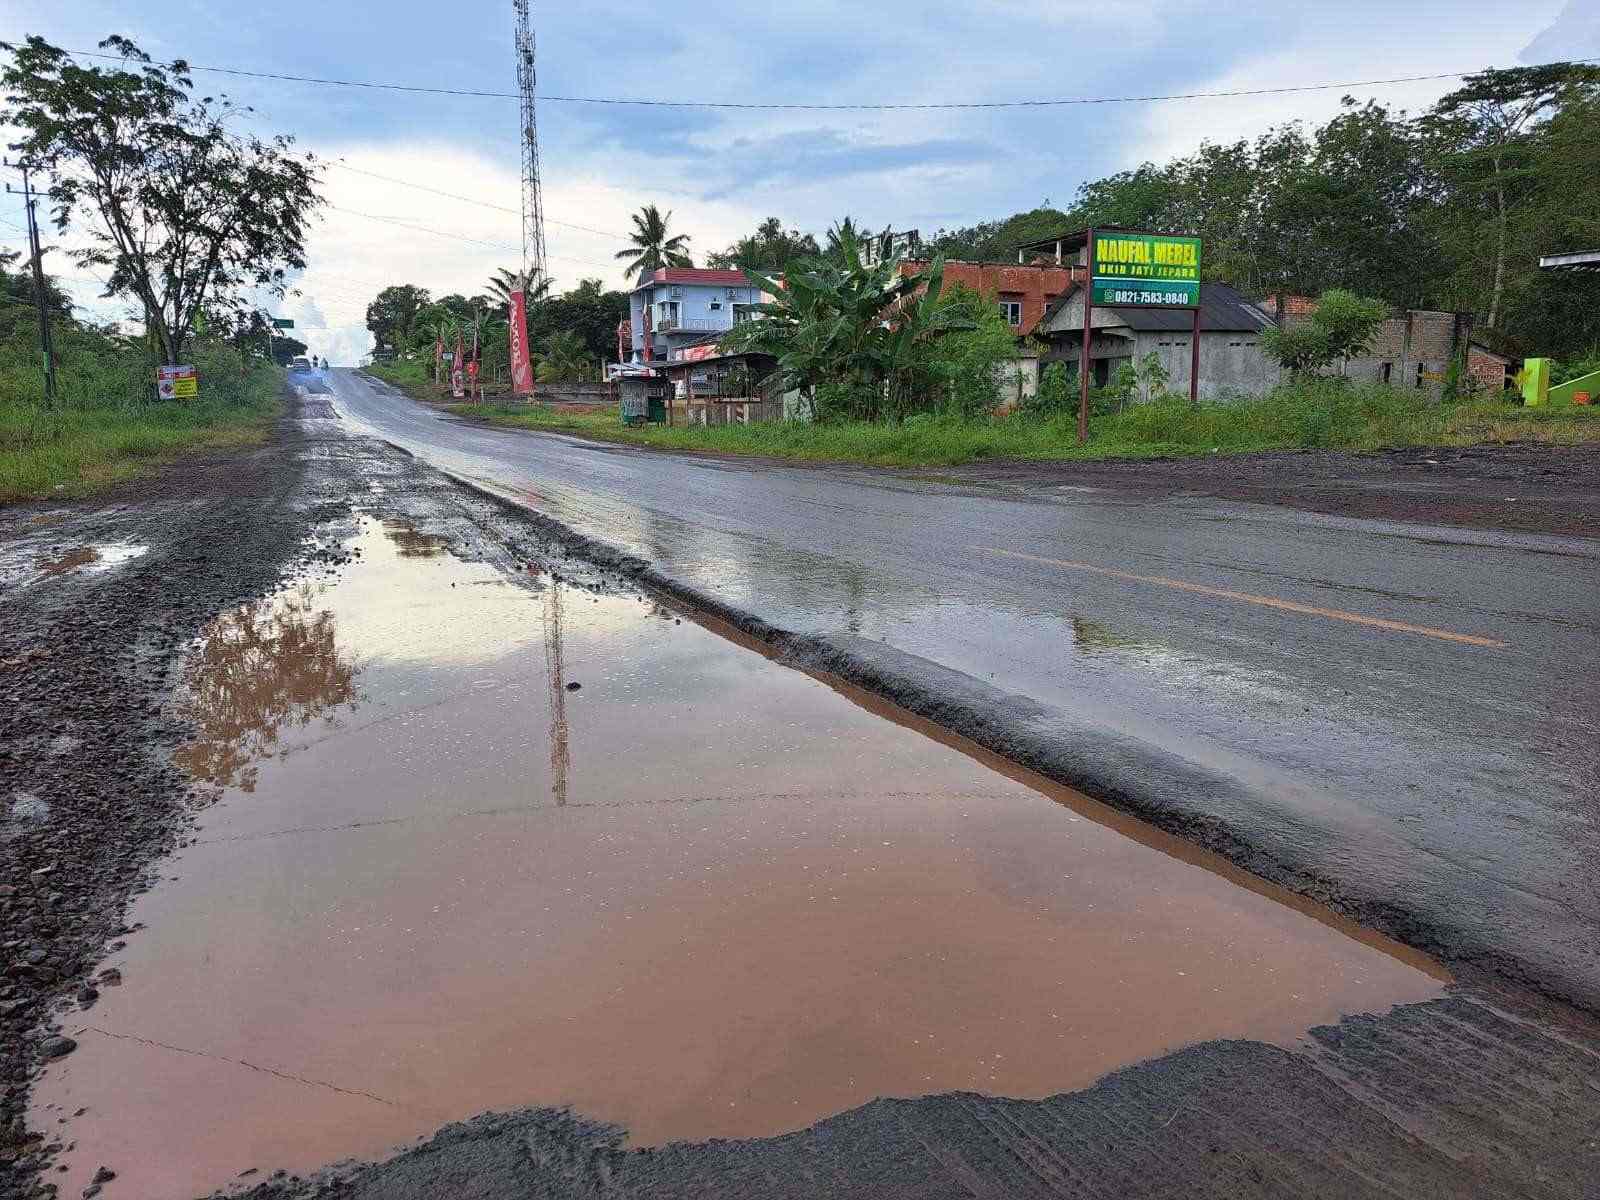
(283, 322)
(1146, 269)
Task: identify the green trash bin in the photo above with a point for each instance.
(656, 413)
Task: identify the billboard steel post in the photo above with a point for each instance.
(1083, 356)
(1194, 360)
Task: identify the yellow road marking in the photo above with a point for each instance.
(1294, 606)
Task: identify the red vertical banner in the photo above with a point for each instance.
(458, 371)
(521, 363)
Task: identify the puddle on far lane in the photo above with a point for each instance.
(698, 895)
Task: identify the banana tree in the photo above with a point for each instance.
(856, 329)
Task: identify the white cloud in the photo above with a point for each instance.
(371, 234)
(1416, 40)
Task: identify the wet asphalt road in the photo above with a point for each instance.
(1397, 717)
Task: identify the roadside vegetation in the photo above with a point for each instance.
(1314, 415)
(176, 214)
(105, 424)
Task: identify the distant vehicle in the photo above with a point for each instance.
(300, 363)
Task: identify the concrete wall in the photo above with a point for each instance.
(565, 393)
(702, 308)
(1231, 364)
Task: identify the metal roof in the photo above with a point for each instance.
(703, 275)
(1222, 309)
(1586, 260)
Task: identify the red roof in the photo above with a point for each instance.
(699, 275)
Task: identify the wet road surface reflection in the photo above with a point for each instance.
(697, 894)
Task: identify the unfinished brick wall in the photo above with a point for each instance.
(1032, 285)
(1488, 369)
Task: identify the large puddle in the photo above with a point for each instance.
(481, 843)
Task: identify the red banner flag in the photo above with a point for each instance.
(521, 364)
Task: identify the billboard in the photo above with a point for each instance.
(1157, 270)
(177, 382)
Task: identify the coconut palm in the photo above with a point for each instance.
(503, 282)
(566, 359)
(650, 246)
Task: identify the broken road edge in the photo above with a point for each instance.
(1132, 776)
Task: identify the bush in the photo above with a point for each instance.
(107, 418)
(1057, 393)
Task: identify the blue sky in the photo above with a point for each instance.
(720, 171)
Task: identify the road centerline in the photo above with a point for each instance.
(1276, 602)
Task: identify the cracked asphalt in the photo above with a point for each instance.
(112, 773)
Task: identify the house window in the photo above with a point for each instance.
(667, 314)
(716, 306)
(733, 293)
(1011, 310)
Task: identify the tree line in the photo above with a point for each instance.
(1447, 209)
(569, 335)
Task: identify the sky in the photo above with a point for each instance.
(720, 171)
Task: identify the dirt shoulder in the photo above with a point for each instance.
(98, 600)
(1523, 487)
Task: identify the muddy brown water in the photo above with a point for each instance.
(699, 895)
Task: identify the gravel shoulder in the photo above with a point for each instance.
(1522, 488)
(88, 796)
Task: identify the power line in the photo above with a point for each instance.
(1060, 102)
(507, 247)
(421, 187)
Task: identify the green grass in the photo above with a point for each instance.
(410, 375)
(1324, 414)
(102, 428)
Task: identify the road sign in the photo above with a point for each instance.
(177, 382)
(283, 322)
(1146, 270)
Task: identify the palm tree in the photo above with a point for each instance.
(650, 247)
(503, 282)
(566, 358)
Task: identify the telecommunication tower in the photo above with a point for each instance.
(533, 265)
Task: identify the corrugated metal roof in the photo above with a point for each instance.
(1222, 310)
(708, 275)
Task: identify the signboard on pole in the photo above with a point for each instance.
(283, 322)
(177, 382)
(521, 363)
(1146, 270)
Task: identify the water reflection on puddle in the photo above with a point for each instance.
(89, 560)
(699, 895)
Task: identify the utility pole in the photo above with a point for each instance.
(40, 300)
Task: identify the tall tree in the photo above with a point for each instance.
(767, 249)
(505, 281)
(393, 312)
(185, 214)
(652, 245)
(1485, 127)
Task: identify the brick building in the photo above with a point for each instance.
(1022, 291)
(1411, 348)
